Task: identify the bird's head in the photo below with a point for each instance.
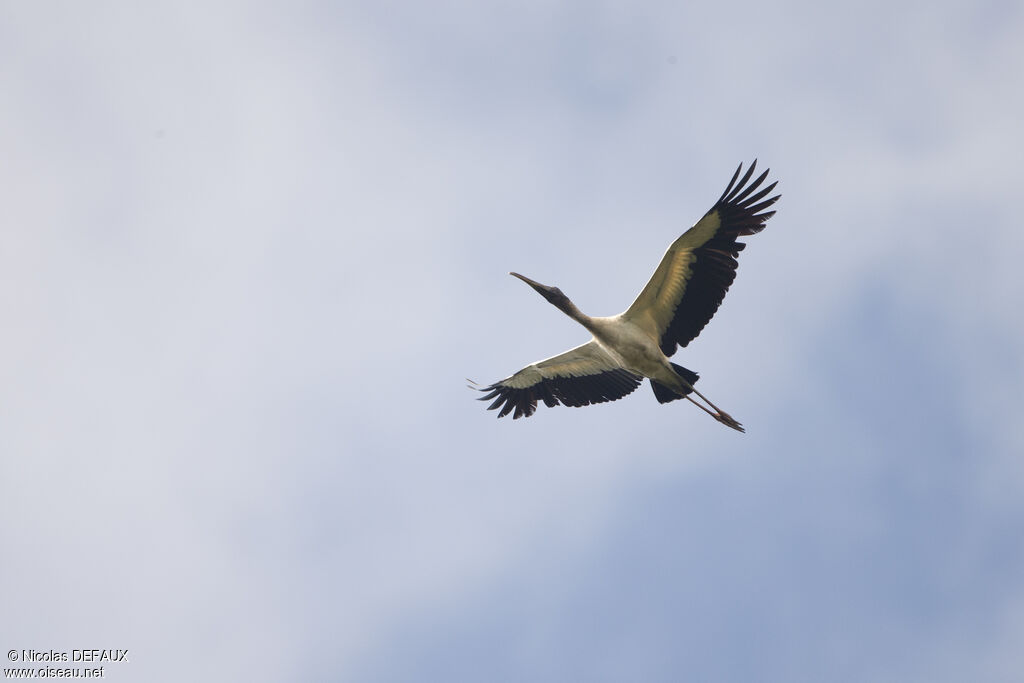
(552, 294)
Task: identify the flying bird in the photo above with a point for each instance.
(678, 301)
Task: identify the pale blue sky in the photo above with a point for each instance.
(250, 251)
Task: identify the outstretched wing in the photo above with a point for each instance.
(696, 271)
(581, 376)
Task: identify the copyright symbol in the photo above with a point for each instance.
(12, 655)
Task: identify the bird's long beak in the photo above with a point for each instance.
(553, 295)
(532, 283)
(543, 290)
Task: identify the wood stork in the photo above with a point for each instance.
(678, 301)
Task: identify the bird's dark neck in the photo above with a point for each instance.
(569, 308)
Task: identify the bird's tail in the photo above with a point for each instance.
(664, 394)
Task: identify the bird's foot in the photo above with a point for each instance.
(727, 420)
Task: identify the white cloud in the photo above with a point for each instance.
(251, 253)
